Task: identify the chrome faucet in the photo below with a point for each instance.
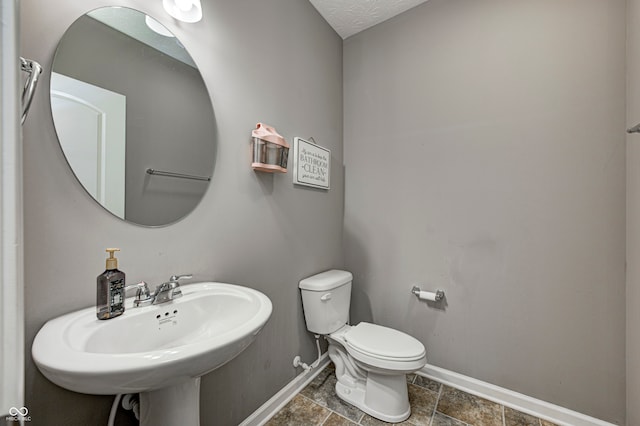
(165, 292)
(169, 290)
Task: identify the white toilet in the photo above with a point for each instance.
(371, 361)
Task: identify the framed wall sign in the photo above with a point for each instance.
(311, 164)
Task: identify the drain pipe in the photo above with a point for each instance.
(297, 362)
(132, 402)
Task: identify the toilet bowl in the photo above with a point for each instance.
(371, 360)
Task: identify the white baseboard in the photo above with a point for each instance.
(279, 400)
(526, 404)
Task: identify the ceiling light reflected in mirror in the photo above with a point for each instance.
(157, 27)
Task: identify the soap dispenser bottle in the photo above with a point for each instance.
(110, 297)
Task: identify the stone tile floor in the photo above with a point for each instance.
(432, 404)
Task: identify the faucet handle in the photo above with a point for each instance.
(143, 295)
(143, 291)
(169, 290)
(137, 286)
(175, 278)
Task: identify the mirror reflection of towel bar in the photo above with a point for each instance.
(177, 175)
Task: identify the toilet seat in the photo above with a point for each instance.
(384, 347)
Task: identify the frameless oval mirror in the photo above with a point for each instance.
(133, 116)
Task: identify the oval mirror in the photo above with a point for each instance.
(133, 116)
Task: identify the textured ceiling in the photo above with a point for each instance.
(348, 17)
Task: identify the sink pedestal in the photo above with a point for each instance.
(174, 405)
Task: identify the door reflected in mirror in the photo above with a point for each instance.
(127, 97)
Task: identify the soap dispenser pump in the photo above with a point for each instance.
(110, 290)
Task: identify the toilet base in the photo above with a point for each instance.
(377, 386)
(387, 393)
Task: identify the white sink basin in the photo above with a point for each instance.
(152, 347)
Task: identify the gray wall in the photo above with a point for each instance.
(484, 155)
(158, 88)
(633, 214)
(251, 229)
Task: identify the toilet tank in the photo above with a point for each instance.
(325, 300)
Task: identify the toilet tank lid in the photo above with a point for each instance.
(326, 280)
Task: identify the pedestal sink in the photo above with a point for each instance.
(160, 351)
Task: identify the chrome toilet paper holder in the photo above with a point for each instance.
(427, 295)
